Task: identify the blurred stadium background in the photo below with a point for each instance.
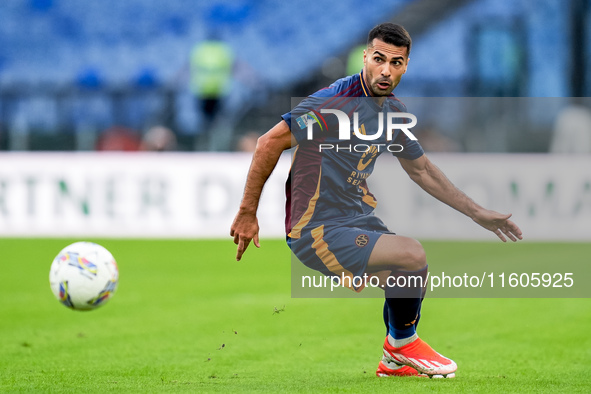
(500, 89)
(203, 79)
(76, 75)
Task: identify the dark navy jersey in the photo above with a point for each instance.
(327, 183)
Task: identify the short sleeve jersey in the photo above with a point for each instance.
(327, 183)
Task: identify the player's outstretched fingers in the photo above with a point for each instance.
(500, 235)
(256, 240)
(507, 232)
(515, 230)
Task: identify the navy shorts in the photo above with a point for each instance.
(338, 249)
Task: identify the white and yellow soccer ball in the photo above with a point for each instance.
(83, 276)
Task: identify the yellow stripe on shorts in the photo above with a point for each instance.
(328, 258)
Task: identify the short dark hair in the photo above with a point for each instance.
(392, 34)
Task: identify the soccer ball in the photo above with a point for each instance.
(83, 276)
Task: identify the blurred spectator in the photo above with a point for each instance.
(248, 142)
(118, 138)
(159, 139)
(355, 60)
(212, 63)
(572, 131)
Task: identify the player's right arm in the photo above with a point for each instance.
(268, 150)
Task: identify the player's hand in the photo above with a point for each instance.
(245, 228)
(499, 224)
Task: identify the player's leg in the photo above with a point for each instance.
(408, 255)
(336, 251)
(405, 258)
(395, 252)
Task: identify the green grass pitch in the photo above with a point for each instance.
(188, 318)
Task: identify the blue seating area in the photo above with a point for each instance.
(114, 44)
(97, 48)
(539, 29)
(61, 41)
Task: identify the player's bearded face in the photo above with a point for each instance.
(384, 66)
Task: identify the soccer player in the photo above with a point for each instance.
(330, 224)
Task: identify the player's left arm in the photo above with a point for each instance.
(429, 177)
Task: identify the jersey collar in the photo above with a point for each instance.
(364, 85)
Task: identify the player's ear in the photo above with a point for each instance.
(364, 56)
(406, 65)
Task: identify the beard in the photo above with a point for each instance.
(380, 91)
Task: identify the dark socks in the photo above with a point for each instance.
(403, 304)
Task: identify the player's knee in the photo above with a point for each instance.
(416, 257)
